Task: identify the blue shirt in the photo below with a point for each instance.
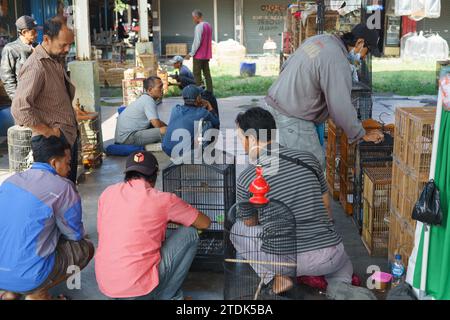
(185, 72)
(182, 128)
(37, 207)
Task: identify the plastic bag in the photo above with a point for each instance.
(403, 7)
(433, 8)
(418, 10)
(428, 208)
(403, 42)
(437, 48)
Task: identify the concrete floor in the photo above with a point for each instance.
(205, 285)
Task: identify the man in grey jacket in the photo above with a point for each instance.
(316, 83)
(16, 53)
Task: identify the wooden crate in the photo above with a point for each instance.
(376, 210)
(148, 62)
(132, 90)
(114, 77)
(176, 49)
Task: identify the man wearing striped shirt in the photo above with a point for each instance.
(318, 249)
(44, 95)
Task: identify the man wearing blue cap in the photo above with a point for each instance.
(184, 76)
(184, 119)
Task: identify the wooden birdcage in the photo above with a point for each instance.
(401, 238)
(333, 158)
(376, 199)
(414, 138)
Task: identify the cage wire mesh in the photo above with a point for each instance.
(211, 189)
(260, 244)
(19, 148)
(362, 100)
(369, 155)
(377, 200)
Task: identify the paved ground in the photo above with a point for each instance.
(208, 285)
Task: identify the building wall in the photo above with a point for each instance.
(263, 19)
(225, 13)
(441, 25)
(176, 20)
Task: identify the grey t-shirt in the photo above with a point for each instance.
(136, 117)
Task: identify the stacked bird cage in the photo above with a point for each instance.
(210, 188)
(19, 148)
(176, 49)
(411, 168)
(377, 199)
(369, 155)
(132, 90)
(260, 245)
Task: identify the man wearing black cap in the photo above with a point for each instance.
(184, 119)
(16, 53)
(135, 259)
(316, 83)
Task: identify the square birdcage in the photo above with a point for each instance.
(19, 148)
(211, 189)
(376, 208)
(362, 100)
(369, 155)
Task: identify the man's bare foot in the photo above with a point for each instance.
(9, 296)
(282, 284)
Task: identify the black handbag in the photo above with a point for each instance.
(428, 208)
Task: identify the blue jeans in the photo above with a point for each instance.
(177, 254)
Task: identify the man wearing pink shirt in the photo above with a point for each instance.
(201, 50)
(134, 259)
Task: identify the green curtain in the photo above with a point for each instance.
(438, 278)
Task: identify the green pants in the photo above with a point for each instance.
(199, 67)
